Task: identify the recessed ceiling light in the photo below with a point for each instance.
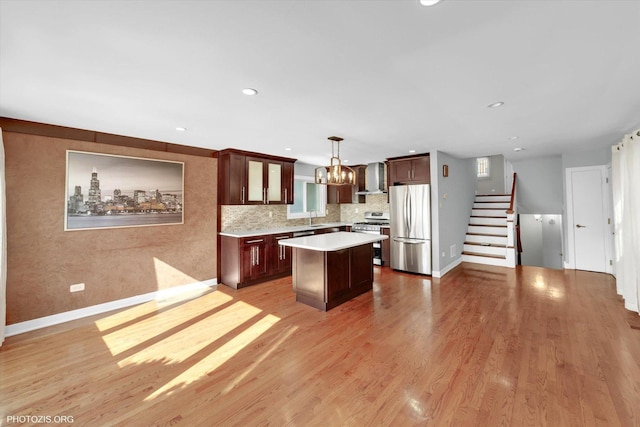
(412, 151)
(496, 104)
(513, 138)
(428, 2)
(287, 149)
(181, 129)
(249, 91)
(518, 149)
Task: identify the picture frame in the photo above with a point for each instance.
(114, 191)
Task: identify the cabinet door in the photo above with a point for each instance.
(274, 182)
(287, 182)
(255, 181)
(254, 258)
(232, 179)
(400, 171)
(280, 256)
(421, 170)
(337, 194)
(338, 280)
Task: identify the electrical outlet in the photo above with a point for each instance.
(443, 254)
(270, 214)
(77, 287)
(356, 210)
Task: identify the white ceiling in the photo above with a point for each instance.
(388, 76)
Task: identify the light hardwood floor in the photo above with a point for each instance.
(482, 346)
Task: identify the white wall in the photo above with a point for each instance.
(539, 188)
(452, 200)
(495, 183)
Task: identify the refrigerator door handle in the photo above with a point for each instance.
(409, 241)
(405, 213)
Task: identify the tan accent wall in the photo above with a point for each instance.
(44, 260)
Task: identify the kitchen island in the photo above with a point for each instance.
(330, 269)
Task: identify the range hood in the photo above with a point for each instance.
(374, 180)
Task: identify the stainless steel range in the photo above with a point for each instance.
(373, 223)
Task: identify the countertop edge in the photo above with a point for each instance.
(270, 231)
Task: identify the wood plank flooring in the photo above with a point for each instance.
(482, 346)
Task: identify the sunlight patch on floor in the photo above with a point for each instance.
(216, 358)
(182, 340)
(136, 312)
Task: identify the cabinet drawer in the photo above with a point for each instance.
(253, 240)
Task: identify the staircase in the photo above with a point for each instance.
(490, 235)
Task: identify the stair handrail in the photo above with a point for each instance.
(513, 193)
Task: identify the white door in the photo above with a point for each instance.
(587, 222)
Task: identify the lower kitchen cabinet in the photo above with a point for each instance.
(280, 256)
(246, 261)
(250, 260)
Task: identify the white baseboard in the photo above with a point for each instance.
(54, 319)
(447, 269)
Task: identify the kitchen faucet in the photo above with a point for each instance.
(310, 212)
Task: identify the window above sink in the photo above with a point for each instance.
(309, 198)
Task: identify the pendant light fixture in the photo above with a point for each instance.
(336, 173)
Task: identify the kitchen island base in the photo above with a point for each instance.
(327, 279)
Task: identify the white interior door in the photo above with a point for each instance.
(587, 223)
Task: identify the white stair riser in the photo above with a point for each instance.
(501, 231)
(493, 199)
(487, 239)
(489, 250)
(504, 206)
(489, 212)
(483, 260)
(488, 221)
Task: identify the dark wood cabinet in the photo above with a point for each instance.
(248, 261)
(244, 261)
(231, 178)
(411, 170)
(337, 194)
(287, 182)
(326, 279)
(386, 247)
(255, 264)
(279, 256)
(253, 178)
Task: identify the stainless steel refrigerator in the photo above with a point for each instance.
(410, 217)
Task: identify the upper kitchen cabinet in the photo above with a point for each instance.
(410, 170)
(337, 194)
(251, 178)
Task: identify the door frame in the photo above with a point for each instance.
(570, 261)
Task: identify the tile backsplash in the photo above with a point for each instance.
(256, 217)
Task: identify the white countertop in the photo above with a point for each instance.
(332, 241)
(267, 231)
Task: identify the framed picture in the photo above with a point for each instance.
(109, 191)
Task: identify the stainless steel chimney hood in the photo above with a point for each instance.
(375, 179)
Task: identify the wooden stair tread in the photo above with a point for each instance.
(489, 209)
(488, 216)
(491, 195)
(486, 234)
(484, 255)
(489, 225)
(492, 245)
